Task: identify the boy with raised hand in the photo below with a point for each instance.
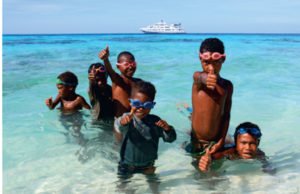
(100, 93)
(211, 99)
(143, 130)
(121, 83)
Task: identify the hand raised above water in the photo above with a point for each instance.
(104, 54)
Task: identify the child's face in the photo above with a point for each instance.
(141, 112)
(246, 145)
(126, 65)
(63, 90)
(212, 62)
(100, 75)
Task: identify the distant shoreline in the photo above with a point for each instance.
(89, 34)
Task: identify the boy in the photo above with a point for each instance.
(140, 145)
(121, 84)
(246, 137)
(70, 101)
(211, 99)
(100, 93)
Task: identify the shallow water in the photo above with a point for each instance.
(41, 156)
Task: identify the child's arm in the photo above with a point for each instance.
(169, 134)
(92, 92)
(121, 123)
(206, 160)
(84, 104)
(115, 77)
(199, 79)
(52, 104)
(226, 118)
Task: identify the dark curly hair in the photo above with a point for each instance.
(246, 125)
(69, 78)
(212, 45)
(146, 88)
(126, 53)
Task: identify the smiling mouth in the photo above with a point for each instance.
(248, 155)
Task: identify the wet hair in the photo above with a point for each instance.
(212, 45)
(146, 88)
(69, 78)
(96, 65)
(126, 53)
(246, 125)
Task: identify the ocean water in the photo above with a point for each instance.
(40, 154)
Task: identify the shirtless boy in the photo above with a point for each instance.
(121, 84)
(211, 99)
(70, 101)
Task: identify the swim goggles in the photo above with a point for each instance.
(60, 82)
(127, 64)
(214, 56)
(138, 104)
(253, 131)
(100, 69)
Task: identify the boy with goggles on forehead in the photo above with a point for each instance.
(246, 137)
(143, 130)
(121, 83)
(100, 93)
(66, 84)
(211, 100)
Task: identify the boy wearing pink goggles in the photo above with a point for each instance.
(211, 99)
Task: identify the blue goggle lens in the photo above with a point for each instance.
(252, 131)
(139, 104)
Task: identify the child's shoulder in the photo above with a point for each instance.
(135, 79)
(197, 74)
(226, 83)
(225, 80)
(79, 97)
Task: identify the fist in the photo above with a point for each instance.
(104, 54)
(211, 81)
(49, 102)
(205, 161)
(163, 124)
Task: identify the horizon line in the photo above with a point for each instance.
(193, 33)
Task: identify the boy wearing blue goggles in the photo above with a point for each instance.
(247, 137)
(138, 104)
(143, 131)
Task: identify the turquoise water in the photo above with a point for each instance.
(40, 156)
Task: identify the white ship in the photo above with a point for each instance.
(163, 28)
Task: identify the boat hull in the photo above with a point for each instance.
(145, 32)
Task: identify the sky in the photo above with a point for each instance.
(128, 16)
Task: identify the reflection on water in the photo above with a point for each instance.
(73, 123)
(102, 144)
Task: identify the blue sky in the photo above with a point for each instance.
(117, 16)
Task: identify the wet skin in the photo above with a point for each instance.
(211, 99)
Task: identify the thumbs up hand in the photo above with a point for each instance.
(127, 118)
(49, 102)
(205, 161)
(211, 80)
(104, 54)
